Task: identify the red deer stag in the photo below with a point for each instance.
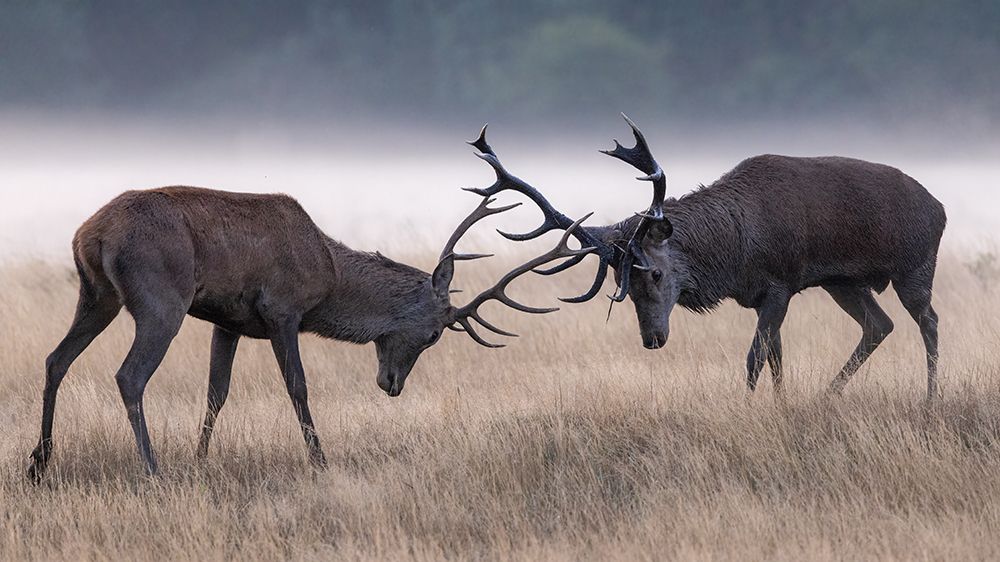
(255, 266)
(768, 229)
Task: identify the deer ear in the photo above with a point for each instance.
(660, 231)
(441, 278)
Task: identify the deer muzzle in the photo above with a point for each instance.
(654, 340)
(390, 383)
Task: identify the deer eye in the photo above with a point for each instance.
(657, 275)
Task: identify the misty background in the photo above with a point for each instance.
(359, 109)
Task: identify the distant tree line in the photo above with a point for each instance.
(516, 58)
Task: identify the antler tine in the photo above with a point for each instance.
(641, 158)
(498, 291)
(561, 267)
(481, 212)
(468, 329)
(602, 273)
(625, 282)
(482, 322)
(547, 226)
(552, 219)
(480, 143)
(507, 181)
(639, 155)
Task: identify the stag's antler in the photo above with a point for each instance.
(553, 220)
(470, 311)
(462, 316)
(640, 157)
(480, 213)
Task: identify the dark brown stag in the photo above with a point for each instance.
(255, 266)
(768, 229)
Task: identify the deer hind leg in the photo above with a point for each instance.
(876, 325)
(157, 288)
(97, 307)
(224, 344)
(914, 292)
(155, 329)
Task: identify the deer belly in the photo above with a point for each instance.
(234, 312)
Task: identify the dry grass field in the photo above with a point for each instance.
(573, 442)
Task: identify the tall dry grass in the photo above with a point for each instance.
(573, 442)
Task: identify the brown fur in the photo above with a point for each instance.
(777, 225)
(255, 266)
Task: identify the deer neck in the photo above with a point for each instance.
(706, 248)
(369, 296)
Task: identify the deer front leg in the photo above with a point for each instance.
(224, 344)
(767, 339)
(285, 343)
(775, 364)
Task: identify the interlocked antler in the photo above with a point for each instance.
(640, 157)
(463, 315)
(480, 213)
(554, 220)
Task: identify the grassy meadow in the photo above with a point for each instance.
(573, 442)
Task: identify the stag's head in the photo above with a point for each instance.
(430, 311)
(644, 268)
(635, 248)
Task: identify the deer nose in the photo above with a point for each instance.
(386, 383)
(654, 341)
(391, 385)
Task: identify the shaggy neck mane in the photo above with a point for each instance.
(708, 242)
(369, 297)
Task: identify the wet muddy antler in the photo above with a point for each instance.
(553, 220)
(641, 158)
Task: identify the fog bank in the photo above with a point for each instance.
(395, 189)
